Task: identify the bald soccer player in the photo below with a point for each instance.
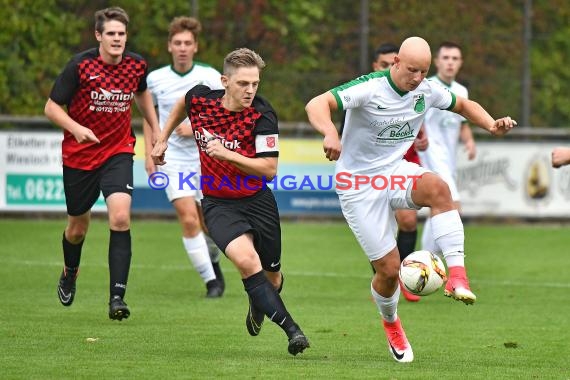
(384, 113)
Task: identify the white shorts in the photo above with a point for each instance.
(178, 173)
(370, 211)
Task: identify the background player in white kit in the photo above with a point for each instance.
(385, 113)
(167, 85)
(445, 129)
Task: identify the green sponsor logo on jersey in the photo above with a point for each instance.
(394, 134)
(419, 103)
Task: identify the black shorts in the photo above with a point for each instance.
(82, 187)
(228, 219)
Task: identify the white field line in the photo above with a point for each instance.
(36, 263)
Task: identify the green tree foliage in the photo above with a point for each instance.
(309, 46)
(550, 67)
(34, 44)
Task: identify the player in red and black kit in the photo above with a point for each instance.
(237, 135)
(97, 87)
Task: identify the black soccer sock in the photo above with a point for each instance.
(406, 242)
(71, 252)
(218, 271)
(119, 261)
(265, 298)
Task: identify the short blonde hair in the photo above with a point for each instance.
(242, 57)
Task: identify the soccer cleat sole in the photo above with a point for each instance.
(466, 299)
(298, 344)
(120, 314)
(118, 309)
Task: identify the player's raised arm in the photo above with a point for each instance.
(174, 119)
(319, 113)
(477, 115)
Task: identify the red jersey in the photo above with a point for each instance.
(252, 132)
(99, 96)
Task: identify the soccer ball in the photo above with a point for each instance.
(422, 273)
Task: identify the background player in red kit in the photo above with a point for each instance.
(237, 135)
(98, 86)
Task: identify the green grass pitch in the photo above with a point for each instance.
(518, 329)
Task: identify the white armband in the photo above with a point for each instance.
(266, 143)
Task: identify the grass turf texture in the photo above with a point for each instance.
(517, 329)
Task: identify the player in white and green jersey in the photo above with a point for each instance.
(167, 85)
(445, 130)
(384, 113)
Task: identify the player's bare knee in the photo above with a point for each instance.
(190, 222)
(120, 220)
(247, 262)
(439, 195)
(75, 234)
(387, 269)
(387, 280)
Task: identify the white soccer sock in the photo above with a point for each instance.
(447, 230)
(428, 242)
(197, 250)
(388, 307)
(213, 250)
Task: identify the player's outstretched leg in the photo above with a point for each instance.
(66, 286)
(398, 344)
(71, 257)
(457, 286)
(254, 319)
(264, 298)
(119, 265)
(447, 230)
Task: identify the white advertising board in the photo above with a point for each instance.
(507, 179)
(31, 173)
(513, 179)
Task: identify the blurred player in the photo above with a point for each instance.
(445, 129)
(97, 87)
(385, 112)
(167, 85)
(237, 134)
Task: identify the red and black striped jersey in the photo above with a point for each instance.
(99, 96)
(252, 132)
